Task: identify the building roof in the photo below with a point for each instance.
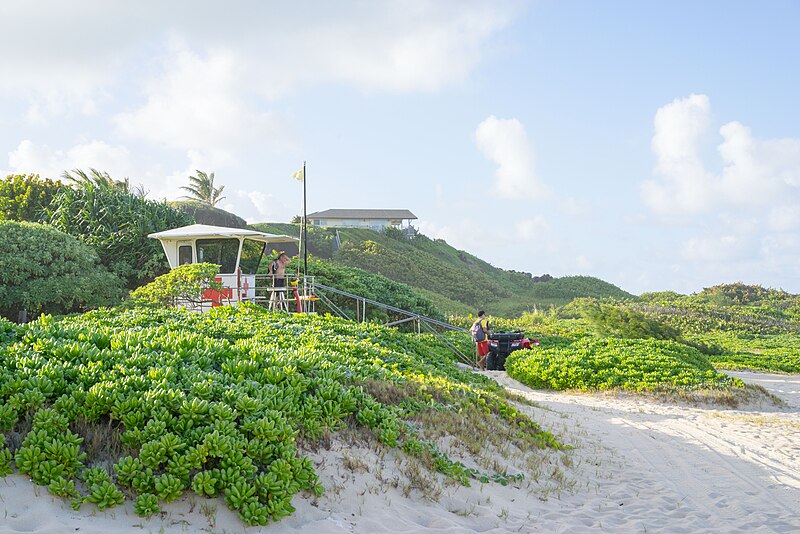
(362, 214)
(195, 231)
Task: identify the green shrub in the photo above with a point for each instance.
(182, 284)
(43, 270)
(25, 197)
(728, 307)
(737, 293)
(616, 320)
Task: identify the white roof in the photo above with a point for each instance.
(199, 231)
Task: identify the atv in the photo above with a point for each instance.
(501, 344)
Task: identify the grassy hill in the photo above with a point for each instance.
(454, 280)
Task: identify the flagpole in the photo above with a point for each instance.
(305, 228)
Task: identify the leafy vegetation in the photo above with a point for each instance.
(221, 403)
(371, 286)
(712, 310)
(610, 363)
(25, 197)
(182, 285)
(103, 180)
(770, 352)
(105, 215)
(746, 327)
(619, 321)
(44, 270)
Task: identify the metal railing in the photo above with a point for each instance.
(419, 320)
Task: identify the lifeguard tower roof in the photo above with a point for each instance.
(203, 231)
(228, 247)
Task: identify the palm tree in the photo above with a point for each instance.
(202, 189)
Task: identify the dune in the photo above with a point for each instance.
(636, 465)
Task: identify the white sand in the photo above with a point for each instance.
(637, 466)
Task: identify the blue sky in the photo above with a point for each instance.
(655, 145)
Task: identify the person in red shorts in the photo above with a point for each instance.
(480, 335)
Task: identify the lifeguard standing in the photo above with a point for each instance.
(277, 269)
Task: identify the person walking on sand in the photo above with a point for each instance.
(480, 335)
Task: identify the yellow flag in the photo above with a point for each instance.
(300, 175)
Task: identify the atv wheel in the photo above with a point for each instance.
(501, 362)
(491, 361)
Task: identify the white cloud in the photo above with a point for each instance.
(684, 186)
(396, 45)
(748, 206)
(757, 172)
(463, 234)
(199, 104)
(60, 58)
(720, 249)
(210, 96)
(268, 206)
(780, 252)
(756, 175)
(64, 56)
(534, 228)
(51, 163)
(505, 142)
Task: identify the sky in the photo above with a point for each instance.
(655, 145)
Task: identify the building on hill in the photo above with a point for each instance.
(363, 218)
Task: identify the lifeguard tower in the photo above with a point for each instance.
(237, 251)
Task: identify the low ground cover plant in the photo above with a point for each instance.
(146, 404)
(610, 363)
(762, 352)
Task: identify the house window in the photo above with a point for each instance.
(184, 254)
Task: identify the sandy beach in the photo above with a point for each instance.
(637, 465)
